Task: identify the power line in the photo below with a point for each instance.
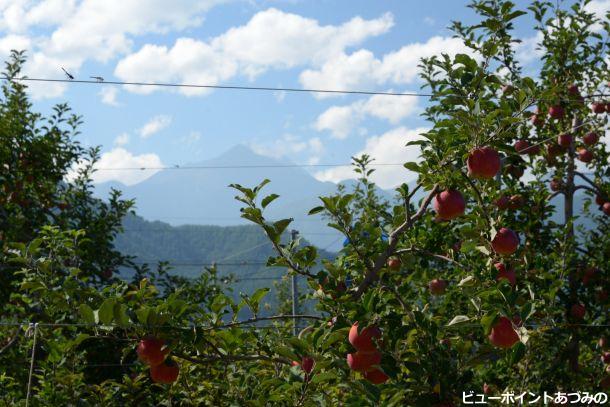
(229, 87)
(97, 81)
(241, 233)
(172, 263)
(245, 166)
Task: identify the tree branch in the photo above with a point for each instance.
(584, 177)
(372, 274)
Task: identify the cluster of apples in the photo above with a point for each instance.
(367, 357)
(153, 352)
(485, 163)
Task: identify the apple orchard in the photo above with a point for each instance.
(490, 275)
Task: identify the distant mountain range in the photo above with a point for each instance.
(173, 206)
(202, 196)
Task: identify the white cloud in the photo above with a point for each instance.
(109, 94)
(155, 125)
(88, 30)
(289, 144)
(121, 158)
(341, 120)
(600, 8)
(528, 50)
(388, 148)
(270, 39)
(338, 120)
(362, 69)
(121, 139)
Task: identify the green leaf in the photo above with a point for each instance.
(86, 313)
(315, 210)
(259, 294)
(142, 315)
(487, 321)
(323, 377)
(120, 314)
(106, 311)
(268, 199)
(79, 339)
(411, 166)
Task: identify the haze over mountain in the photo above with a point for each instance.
(202, 196)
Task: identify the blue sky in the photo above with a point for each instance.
(337, 44)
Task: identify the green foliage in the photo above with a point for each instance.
(434, 346)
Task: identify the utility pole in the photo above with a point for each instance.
(295, 290)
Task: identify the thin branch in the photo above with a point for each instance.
(11, 342)
(588, 188)
(584, 177)
(394, 291)
(554, 194)
(479, 196)
(372, 274)
(288, 260)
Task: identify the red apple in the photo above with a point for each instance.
(394, 263)
(602, 295)
(486, 388)
(553, 150)
(376, 376)
(556, 112)
(516, 201)
(606, 358)
(585, 155)
(564, 140)
(603, 342)
(307, 364)
(599, 200)
(605, 383)
(166, 372)
(505, 242)
(598, 107)
(590, 138)
(503, 202)
(606, 208)
(556, 184)
(524, 147)
(151, 350)
(503, 335)
(363, 340)
(449, 204)
(505, 273)
(589, 275)
(437, 286)
(578, 311)
(483, 162)
(363, 361)
(573, 90)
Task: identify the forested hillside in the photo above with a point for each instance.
(239, 253)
